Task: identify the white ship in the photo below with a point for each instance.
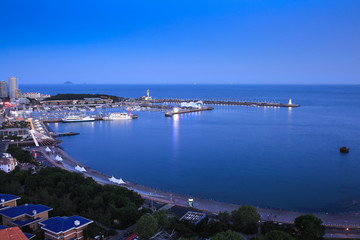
(117, 116)
(77, 119)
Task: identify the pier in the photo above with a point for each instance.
(182, 111)
(227, 102)
(64, 134)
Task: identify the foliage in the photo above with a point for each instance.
(162, 218)
(309, 227)
(21, 155)
(94, 230)
(224, 220)
(70, 193)
(146, 227)
(15, 124)
(228, 235)
(245, 219)
(277, 235)
(73, 96)
(270, 226)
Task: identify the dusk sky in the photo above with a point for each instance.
(187, 41)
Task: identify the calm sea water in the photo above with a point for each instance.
(282, 158)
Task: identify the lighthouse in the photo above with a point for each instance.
(290, 102)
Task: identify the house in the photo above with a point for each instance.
(25, 215)
(65, 228)
(7, 162)
(13, 233)
(8, 201)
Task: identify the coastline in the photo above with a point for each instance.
(334, 220)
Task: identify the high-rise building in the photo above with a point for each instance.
(3, 89)
(13, 87)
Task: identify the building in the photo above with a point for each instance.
(13, 87)
(65, 228)
(193, 217)
(8, 201)
(7, 163)
(25, 215)
(147, 97)
(20, 132)
(3, 89)
(13, 233)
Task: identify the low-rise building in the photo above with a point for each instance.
(7, 162)
(13, 233)
(25, 215)
(20, 132)
(8, 201)
(65, 228)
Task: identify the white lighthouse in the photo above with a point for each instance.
(290, 102)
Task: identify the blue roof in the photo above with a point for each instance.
(63, 224)
(26, 222)
(3, 227)
(8, 197)
(29, 235)
(24, 209)
(3, 207)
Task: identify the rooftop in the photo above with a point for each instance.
(193, 217)
(64, 224)
(7, 197)
(29, 209)
(13, 233)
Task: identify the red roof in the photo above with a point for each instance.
(13, 233)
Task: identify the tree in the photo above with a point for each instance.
(245, 219)
(228, 235)
(224, 220)
(146, 227)
(277, 235)
(309, 227)
(162, 218)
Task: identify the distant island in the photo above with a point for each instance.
(76, 96)
(68, 82)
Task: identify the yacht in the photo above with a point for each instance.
(77, 119)
(117, 116)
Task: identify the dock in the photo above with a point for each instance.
(172, 113)
(64, 134)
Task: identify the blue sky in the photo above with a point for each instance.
(187, 41)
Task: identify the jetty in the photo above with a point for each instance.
(227, 102)
(64, 134)
(182, 111)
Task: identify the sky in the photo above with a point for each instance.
(181, 41)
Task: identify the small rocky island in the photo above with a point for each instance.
(344, 149)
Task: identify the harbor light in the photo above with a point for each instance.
(290, 102)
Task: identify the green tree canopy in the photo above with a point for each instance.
(245, 219)
(309, 227)
(228, 235)
(277, 235)
(146, 227)
(162, 218)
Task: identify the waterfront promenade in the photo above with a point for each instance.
(339, 220)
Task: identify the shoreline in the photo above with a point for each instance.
(333, 220)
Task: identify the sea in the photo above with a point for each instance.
(285, 158)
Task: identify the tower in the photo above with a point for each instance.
(3, 89)
(290, 102)
(13, 87)
(148, 93)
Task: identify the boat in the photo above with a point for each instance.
(117, 116)
(77, 119)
